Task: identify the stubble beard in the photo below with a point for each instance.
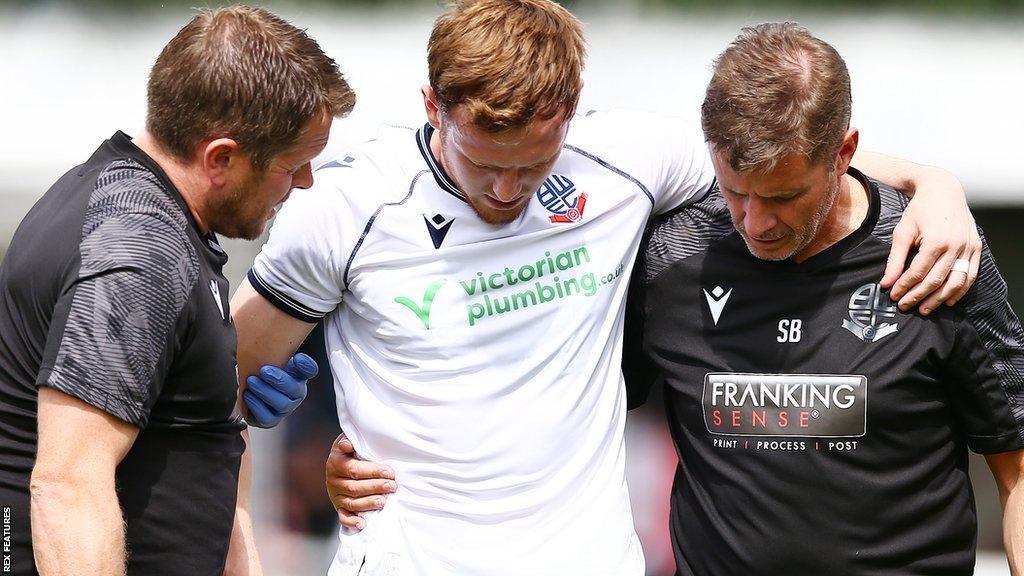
(803, 236)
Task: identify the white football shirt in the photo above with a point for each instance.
(482, 361)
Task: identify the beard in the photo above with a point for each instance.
(801, 236)
(237, 215)
(492, 216)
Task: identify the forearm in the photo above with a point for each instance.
(266, 335)
(1008, 471)
(903, 175)
(243, 558)
(1013, 531)
(77, 528)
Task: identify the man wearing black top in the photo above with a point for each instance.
(116, 341)
(820, 429)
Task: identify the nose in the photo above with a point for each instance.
(507, 186)
(304, 177)
(758, 217)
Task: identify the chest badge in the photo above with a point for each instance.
(559, 196)
(216, 298)
(870, 311)
(716, 302)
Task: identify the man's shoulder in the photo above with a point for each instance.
(133, 221)
(686, 232)
(365, 175)
(891, 205)
(603, 128)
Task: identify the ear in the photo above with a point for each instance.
(430, 105)
(846, 150)
(219, 157)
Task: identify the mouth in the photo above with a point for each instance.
(766, 242)
(499, 205)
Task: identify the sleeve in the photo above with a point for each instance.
(301, 269)
(665, 155)
(686, 172)
(987, 365)
(638, 371)
(114, 327)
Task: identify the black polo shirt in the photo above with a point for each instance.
(820, 430)
(111, 294)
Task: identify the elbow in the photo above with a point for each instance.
(48, 491)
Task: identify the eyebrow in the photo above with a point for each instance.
(541, 163)
(790, 193)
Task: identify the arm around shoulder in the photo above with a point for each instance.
(937, 223)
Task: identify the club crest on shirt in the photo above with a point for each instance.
(869, 313)
(559, 196)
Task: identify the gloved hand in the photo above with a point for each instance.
(275, 392)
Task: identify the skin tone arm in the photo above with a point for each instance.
(243, 559)
(77, 526)
(941, 228)
(266, 335)
(1008, 469)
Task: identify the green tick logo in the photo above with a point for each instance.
(423, 311)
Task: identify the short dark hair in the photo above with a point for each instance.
(244, 73)
(777, 90)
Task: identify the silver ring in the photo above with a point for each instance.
(962, 265)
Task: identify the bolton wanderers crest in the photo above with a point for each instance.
(870, 311)
(559, 195)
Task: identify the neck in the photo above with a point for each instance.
(183, 179)
(846, 215)
(435, 148)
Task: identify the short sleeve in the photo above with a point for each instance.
(987, 365)
(115, 325)
(301, 269)
(666, 156)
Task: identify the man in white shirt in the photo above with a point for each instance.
(471, 276)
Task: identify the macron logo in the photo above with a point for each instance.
(716, 301)
(216, 297)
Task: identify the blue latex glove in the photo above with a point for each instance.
(274, 393)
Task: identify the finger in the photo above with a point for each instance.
(903, 240)
(284, 382)
(350, 520)
(972, 276)
(344, 465)
(258, 409)
(975, 258)
(953, 285)
(302, 366)
(360, 488)
(343, 444)
(934, 267)
(357, 505)
(270, 395)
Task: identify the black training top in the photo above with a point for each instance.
(109, 293)
(820, 430)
